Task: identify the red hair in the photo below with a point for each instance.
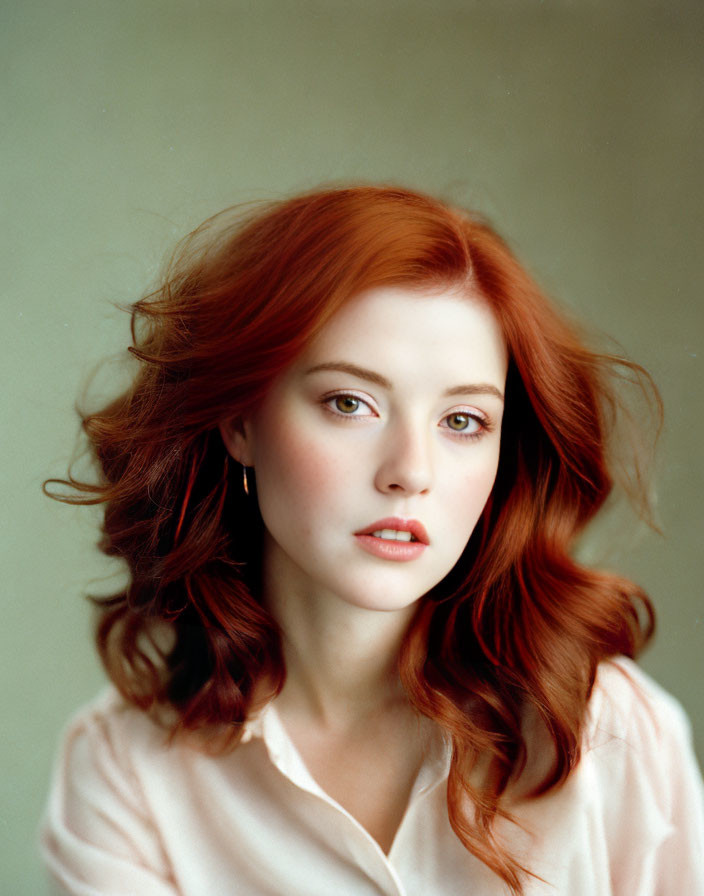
(517, 626)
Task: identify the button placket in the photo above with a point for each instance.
(362, 847)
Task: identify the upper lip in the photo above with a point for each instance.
(415, 527)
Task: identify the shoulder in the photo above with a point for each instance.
(104, 750)
(98, 822)
(640, 776)
(638, 743)
(112, 756)
(628, 705)
(110, 727)
(630, 817)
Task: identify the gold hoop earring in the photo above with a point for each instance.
(244, 480)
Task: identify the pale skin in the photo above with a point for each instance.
(393, 411)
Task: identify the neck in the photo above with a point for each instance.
(341, 659)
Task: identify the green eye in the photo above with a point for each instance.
(347, 404)
(458, 421)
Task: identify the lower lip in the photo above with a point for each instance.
(391, 550)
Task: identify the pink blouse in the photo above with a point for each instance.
(128, 816)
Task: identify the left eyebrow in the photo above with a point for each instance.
(371, 376)
(475, 389)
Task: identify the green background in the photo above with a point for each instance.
(575, 126)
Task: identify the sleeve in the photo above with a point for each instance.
(96, 836)
(679, 865)
(655, 794)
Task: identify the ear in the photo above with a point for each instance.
(237, 436)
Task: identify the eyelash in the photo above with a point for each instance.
(484, 422)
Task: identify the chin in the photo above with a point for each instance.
(383, 601)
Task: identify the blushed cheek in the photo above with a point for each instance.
(475, 492)
(297, 475)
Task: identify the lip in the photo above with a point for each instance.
(394, 550)
(391, 550)
(415, 527)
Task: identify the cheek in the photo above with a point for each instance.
(296, 475)
(472, 494)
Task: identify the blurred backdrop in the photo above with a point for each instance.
(575, 126)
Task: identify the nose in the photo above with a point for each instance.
(406, 462)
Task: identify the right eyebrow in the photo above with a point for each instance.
(361, 372)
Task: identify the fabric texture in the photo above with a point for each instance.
(127, 816)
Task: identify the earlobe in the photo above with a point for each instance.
(237, 441)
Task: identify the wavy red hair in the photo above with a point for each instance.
(517, 626)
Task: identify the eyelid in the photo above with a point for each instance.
(485, 422)
(469, 411)
(348, 393)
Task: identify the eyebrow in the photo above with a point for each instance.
(371, 376)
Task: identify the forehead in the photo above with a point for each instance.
(434, 332)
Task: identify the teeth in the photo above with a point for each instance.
(393, 535)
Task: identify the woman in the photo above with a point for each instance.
(347, 479)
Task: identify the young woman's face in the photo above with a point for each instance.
(386, 429)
